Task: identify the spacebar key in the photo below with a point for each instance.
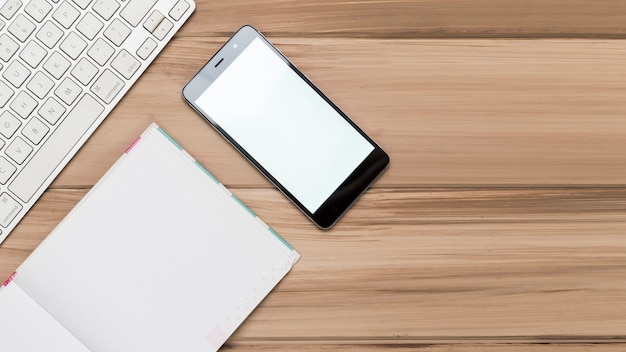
(56, 148)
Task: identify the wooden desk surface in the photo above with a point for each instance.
(501, 223)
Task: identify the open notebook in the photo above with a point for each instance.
(158, 256)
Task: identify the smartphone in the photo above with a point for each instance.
(285, 126)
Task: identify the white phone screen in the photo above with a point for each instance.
(283, 123)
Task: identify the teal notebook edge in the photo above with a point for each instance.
(212, 177)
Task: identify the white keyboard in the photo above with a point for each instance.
(64, 65)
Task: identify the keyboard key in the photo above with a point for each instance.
(163, 29)
(10, 8)
(18, 150)
(106, 8)
(8, 47)
(179, 10)
(73, 45)
(117, 32)
(58, 145)
(51, 111)
(66, 15)
(82, 3)
(5, 94)
(22, 28)
(1, 24)
(107, 86)
(49, 34)
(23, 104)
(84, 71)
(101, 52)
(146, 48)
(68, 91)
(56, 65)
(125, 64)
(9, 208)
(89, 26)
(33, 54)
(35, 130)
(40, 85)
(16, 73)
(38, 9)
(6, 170)
(8, 124)
(153, 21)
(136, 10)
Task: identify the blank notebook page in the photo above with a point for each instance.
(158, 256)
(26, 327)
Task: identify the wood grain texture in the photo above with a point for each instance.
(500, 223)
(426, 347)
(415, 18)
(449, 112)
(419, 264)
